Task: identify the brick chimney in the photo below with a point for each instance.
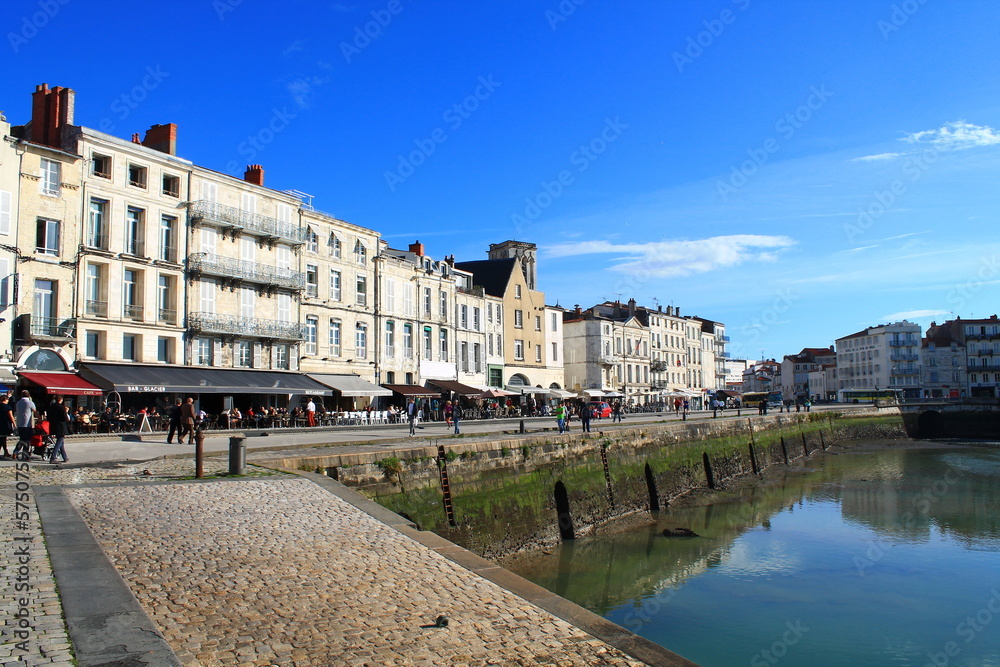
(577, 311)
(51, 111)
(162, 138)
(631, 307)
(417, 248)
(254, 174)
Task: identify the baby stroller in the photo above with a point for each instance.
(42, 443)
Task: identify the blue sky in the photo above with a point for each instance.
(795, 169)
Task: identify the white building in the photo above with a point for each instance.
(881, 357)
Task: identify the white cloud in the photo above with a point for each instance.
(879, 156)
(661, 259)
(956, 136)
(914, 315)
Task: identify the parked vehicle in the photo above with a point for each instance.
(599, 409)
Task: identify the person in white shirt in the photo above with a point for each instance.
(311, 412)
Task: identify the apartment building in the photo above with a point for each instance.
(982, 360)
(10, 186)
(943, 367)
(796, 370)
(881, 357)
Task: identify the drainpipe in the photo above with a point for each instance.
(377, 312)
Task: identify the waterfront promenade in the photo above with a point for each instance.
(270, 569)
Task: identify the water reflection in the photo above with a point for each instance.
(882, 554)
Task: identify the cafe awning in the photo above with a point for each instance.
(456, 387)
(561, 393)
(411, 390)
(594, 393)
(526, 389)
(349, 385)
(54, 382)
(142, 378)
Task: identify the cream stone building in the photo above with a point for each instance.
(10, 187)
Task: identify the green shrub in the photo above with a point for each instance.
(391, 467)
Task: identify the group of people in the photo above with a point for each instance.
(453, 414)
(20, 419)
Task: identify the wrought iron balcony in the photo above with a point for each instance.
(902, 356)
(251, 223)
(905, 371)
(134, 312)
(95, 308)
(167, 315)
(657, 366)
(52, 327)
(135, 247)
(981, 336)
(905, 342)
(249, 327)
(168, 254)
(230, 267)
(95, 240)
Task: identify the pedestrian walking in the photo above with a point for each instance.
(456, 415)
(585, 414)
(187, 421)
(174, 416)
(447, 413)
(58, 417)
(560, 414)
(616, 412)
(808, 404)
(7, 427)
(24, 420)
(411, 415)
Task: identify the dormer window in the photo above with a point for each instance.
(100, 166)
(137, 176)
(360, 253)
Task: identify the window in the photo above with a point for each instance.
(165, 300)
(93, 345)
(334, 339)
(390, 339)
(137, 176)
(335, 293)
(47, 237)
(131, 293)
(335, 246)
(134, 232)
(489, 313)
(362, 290)
(248, 249)
(244, 354)
(312, 324)
(95, 305)
(97, 224)
(312, 280)
(171, 185)
(281, 357)
(168, 239)
(477, 358)
(443, 338)
(538, 354)
(463, 356)
(444, 305)
(390, 295)
(407, 341)
(209, 191)
(203, 351)
(428, 345)
(285, 307)
(360, 253)
(518, 350)
(207, 296)
(283, 258)
(517, 291)
(209, 236)
(427, 302)
(361, 341)
(49, 182)
(248, 302)
(476, 320)
(555, 351)
(100, 166)
(518, 319)
(538, 322)
(312, 240)
(248, 202)
(129, 347)
(463, 316)
(489, 344)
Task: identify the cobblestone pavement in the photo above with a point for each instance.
(32, 631)
(280, 572)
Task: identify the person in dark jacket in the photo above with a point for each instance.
(174, 415)
(58, 416)
(6, 422)
(187, 421)
(584, 411)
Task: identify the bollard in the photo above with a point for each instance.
(237, 455)
(521, 429)
(199, 453)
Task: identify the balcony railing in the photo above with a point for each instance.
(167, 315)
(609, 359)
(252, 223)
(900, 356)
(981, 336)
(230, 267)
(52, 327)
(905, 371)
(135, 247)
(168, 254)
(133, 311)
(95, 308)
(902, 343)
(94, 240)
(249, 327)
(657, 366)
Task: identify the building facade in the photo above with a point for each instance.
(881, 357)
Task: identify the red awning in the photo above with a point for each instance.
(62, 383)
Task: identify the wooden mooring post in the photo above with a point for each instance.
(709, 477)
(784, 450)
(753, 461)
(805, 445)
(607, 474)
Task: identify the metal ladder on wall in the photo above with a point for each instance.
(449, 510)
